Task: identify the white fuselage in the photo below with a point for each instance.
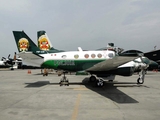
(80, 55)
(71, 55)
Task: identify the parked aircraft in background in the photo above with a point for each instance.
(11, 63)
(153, 55)
(4, 64)
(111, 46)
(102, 64)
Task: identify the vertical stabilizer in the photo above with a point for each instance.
(24, 43)
(43, 41)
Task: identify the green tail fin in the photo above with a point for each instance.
(43, 41)
(24, 43)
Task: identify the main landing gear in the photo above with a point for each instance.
(64, 80)
(99, 81)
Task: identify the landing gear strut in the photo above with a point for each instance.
(140, 80)
(64, 80)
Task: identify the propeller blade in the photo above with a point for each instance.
(3, 58)
(9, 56)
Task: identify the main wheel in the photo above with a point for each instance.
(92, 79)
(100, 83)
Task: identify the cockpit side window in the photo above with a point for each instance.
(110, 55)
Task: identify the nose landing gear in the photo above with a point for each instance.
(64, 80)
(140, 80)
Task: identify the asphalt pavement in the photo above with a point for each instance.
(31, 96)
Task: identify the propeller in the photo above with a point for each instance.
(9, 56)
(9, 60)
(3, 58)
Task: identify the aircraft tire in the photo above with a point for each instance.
(100, 83)
(140, 81)
(92, 79)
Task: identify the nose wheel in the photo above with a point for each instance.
(64, 80)
(140, 81)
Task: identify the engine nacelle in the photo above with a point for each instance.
(124, 71)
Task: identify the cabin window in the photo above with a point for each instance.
(99, 55)
(93, 55)
(64, 56)
(86, 56)
(110, 55)
(76, 56)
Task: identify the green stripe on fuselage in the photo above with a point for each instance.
(70, 65)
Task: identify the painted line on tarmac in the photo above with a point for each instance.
(76, 107)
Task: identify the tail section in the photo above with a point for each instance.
(24, 43)
(43, 41)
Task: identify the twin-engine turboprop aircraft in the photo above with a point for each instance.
(103, 64)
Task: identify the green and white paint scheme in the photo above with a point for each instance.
(100, 64)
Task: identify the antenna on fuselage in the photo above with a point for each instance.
(80, 49)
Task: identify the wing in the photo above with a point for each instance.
(111, 64)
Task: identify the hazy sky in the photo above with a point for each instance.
(90, 24)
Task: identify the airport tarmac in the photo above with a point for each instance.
(26, 96)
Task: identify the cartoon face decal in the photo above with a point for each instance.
(43, 43)
(23, 44)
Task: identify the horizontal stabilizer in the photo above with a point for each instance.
(31, 58)
(29, 55)
(111, 64)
